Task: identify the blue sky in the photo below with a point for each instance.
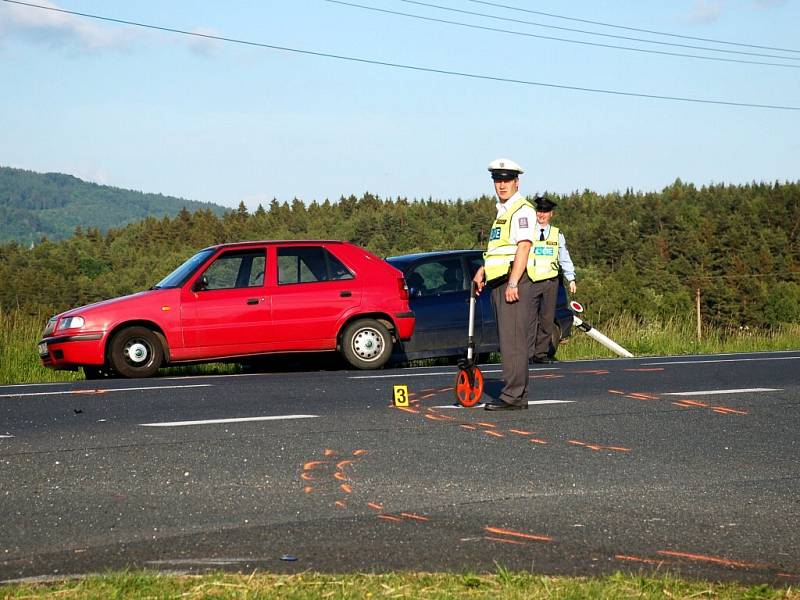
(222, 122)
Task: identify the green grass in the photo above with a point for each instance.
(676, 336)
(503, 584)
(19, 333)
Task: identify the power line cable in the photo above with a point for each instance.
(404, 66)
(545, 37)
(583, 31)
(676, 35)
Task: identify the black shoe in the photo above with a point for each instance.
(543, 361)
(505, 406)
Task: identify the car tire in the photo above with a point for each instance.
(555, 340)
(136, 352)
(366, 344)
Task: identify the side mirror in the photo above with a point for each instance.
(200, 284)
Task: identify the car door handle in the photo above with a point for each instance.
(252, 300)
(345, 293)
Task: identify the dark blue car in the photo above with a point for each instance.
(439, 286)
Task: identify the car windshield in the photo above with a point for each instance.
(179, 276)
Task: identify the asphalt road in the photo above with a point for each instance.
(682, 464)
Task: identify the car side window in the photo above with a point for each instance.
(475, 263)
(237, 269)
(308, 264)
(437, 277)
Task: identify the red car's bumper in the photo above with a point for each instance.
(71, 351)
(405, 325)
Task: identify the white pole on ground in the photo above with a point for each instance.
(599, 337)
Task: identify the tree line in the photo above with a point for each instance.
(643, 254)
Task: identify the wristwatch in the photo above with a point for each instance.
(512, 285)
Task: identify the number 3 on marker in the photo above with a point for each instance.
(401, 395)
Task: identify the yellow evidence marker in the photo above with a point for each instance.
(401, 395)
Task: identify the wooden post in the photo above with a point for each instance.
(699, 320)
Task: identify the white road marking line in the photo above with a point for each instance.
(218, 421)
(700, 362)
(451, 373)
(104, 391)
(6, 436)
(529, 403)
(713, 392)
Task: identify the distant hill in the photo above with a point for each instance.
(35, 205)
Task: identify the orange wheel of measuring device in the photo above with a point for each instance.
(466, 394)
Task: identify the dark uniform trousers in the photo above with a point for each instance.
(544, 295)
(513, 325)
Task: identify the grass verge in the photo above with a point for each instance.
(503, 584)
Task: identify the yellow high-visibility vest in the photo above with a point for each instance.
(500, 252)
(545, 256)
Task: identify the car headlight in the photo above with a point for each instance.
(71, 323)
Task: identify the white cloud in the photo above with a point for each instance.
(203, 46)
(84, 34)
(705, 11)
(55, 28)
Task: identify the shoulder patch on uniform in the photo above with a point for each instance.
(523, 222)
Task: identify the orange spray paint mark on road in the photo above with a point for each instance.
(643, 396)
(306, 476)
(375, 505)
(695, 403)
(390, 518)
(519, 534)
(329, 452)
(436, 417)
(616, 392)
(494, 433)
(312, 464)
(407, 409)
(538, 441)
(359, 452)
(414, 517)
(343, 463)
(712, 559)
(729, 411)
(521, 432)
(308, 489)
(347, 489)
(482, 424)
(340, 504)
(340, 476)
(472, 427)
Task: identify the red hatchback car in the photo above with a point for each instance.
(241, 300)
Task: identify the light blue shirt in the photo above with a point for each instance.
(564, 259)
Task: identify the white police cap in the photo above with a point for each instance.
(504, 168)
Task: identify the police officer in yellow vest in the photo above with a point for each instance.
(508, 270)
(549, 253)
